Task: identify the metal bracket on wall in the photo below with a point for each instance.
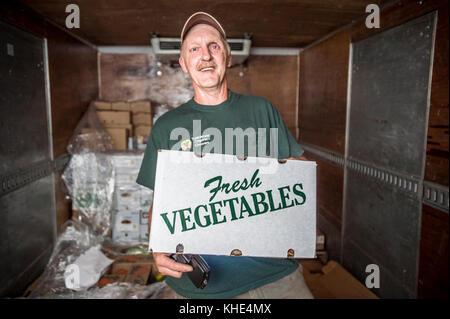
(16, 180)
(434, 195)
(324, 154)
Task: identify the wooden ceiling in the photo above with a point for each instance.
(283, 23)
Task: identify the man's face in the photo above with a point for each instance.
(204, 56)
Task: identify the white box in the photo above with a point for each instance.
(126, 226)
(221, 205)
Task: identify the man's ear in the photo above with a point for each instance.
(183, 66)
(229, 61)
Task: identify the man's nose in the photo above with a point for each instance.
(206, 55)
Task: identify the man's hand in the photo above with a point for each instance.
(169, 267)
(301, 158)
(166, 265)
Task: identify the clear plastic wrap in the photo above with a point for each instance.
(89, 178)
(74, 240)
(169, 85)
(89, 135)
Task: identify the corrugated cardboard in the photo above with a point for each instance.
(102, 105)
(129, 127)
(334, 282)
(142, 118)
(110, 279)
(114, 117)
(120, 106)
(196, 181)
(142, 130)
(119, 138)
(140, 106)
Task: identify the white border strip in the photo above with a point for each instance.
(118, 49)
(48, 99)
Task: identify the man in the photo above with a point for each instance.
(205, 56)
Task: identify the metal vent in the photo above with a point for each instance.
(236, 46)
(169, 45)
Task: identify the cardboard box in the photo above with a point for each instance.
(113, 117)
(120, 106)
(142, 130)
(141, 106)
(260, 205)
(102, 105)
(127, 160)
(119, 138)
(131, 269)
(334, 282)
(126, 199)
(142, 118)
(110, 279)
(143, 233)
(127, 126)
(126, 226)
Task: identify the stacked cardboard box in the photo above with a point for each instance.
(116, 119)
(131, 202)
(135, 269)
(125, 119)
(332, 281)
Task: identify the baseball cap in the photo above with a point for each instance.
(201, 18)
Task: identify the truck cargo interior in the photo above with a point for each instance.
(361, 85)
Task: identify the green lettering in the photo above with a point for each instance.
(299, 193)
(269, 196)
(244, 184)
(260, 202)
(285, 196)
(225, 187)
(246, 208)
(197, 217)
(169, 225)
(215, 189)
(215, 212)
(235, 186)
(232, 210)
(184, 219)
(255, 180)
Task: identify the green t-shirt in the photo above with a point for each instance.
(230, 275)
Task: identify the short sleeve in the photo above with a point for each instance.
(147, 172)
(287, 145)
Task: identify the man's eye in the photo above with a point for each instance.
(194, 49)
(215, 46)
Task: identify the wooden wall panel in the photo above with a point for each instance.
(436, 169)
(273, 77)
(433, 266)
(323, 93)
(126, 77)
(330, 185)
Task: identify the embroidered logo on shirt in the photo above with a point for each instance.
(186, 145)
